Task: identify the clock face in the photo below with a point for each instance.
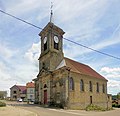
(45, 40)
(56, 39)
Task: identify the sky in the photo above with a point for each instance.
(93, 23)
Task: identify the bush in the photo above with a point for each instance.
(2, 104)
(94, 108)
(116, 105)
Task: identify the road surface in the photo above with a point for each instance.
(40, 111)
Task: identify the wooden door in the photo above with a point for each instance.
(45, 96)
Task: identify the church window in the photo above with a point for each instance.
(43, 66)
(97, 89)
(45, 86)
(90, 86)
(71, 83)
(45, 46)
(56, 46)
(81, 85)
(103, 88)
(90, 99)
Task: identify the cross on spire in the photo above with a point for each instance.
(51, 14)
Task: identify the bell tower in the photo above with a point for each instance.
(51, 46)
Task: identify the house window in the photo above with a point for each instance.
(71, 83)
(31, 91)
(103, 88)
(31, 96)
(81, 85)
(14, 92)
(97, 89)
(15, 97)
(90, 86)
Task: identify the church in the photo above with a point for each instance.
(64, 82)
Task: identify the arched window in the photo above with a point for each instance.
(97, 89)
(45, 86)
(81, 85)
(103, 88)
(56, 45)
(45, 46)
(90, 86)
(71, 83)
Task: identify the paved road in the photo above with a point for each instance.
(40, 111)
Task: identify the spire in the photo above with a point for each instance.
(51, 14)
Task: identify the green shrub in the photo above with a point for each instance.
(115, 105)
(2, 104)
(118, 106)
(94, 108)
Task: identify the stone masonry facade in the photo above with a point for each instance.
(64, 82)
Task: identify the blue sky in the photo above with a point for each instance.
(93, 23)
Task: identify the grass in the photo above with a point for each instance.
(95, 108)
(2, 104)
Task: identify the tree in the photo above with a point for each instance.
(118, 96)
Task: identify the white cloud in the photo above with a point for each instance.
(4, 72)
(22, 6)
(110, 70)
(6, 52)
(113, 76)
(33, 53)
(21, 71)
(113, 87)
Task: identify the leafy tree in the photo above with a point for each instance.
(118, 96)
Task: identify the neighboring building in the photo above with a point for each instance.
(30, 91)
(3, 94)
(17, 92)
(65, 82)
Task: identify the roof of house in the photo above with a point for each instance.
(21, 88)
(30, 85)
(79, 68)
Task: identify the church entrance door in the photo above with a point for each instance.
(45, 96)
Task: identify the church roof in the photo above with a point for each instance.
(79, 68)
(51, 26)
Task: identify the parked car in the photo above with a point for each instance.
(19, 100)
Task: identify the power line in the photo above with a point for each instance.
(92, 49)
(20, 19)
(109, 55)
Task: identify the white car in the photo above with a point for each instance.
(20, 100)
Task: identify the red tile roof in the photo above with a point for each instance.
(30, 85)
(81, 68)
(21, 88)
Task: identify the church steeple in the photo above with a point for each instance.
(51, 45)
